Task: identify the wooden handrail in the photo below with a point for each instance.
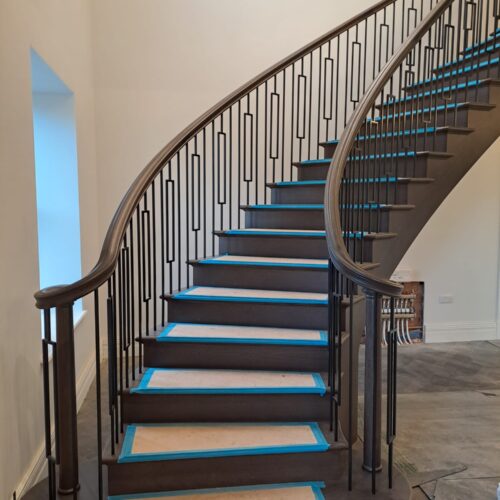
(66, 294)
(336, 246)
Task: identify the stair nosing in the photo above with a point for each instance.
(126, 455)
(164, 337)
(316, 487)
(445, 129)
(300, 234)
(184, 296)
(383, 156)
(319, 387)
(450, 75)
(242, 263)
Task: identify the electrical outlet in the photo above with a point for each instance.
(445, 299)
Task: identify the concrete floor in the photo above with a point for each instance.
(448, 443)
(448, 419)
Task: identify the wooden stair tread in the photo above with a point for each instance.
(283, 491)
(406, 132)
(249, 295)
(159, 442)
(184, 332)
(306, 233)
(265, 261)
(213, 381)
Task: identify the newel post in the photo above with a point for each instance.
(373, 384)
(66, 392)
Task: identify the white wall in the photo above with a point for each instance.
(457, 254)
(59, 30)
(161, 63)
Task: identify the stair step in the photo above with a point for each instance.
(162, 442)
(218, 294)
(494, 36)
(456, 72)
(306, 233)
(200, 381)
(297, 183)
(356, 206)
(239, 260)
(283, 491)
(356, 180)
(402, 154)
(469, 55)
(285, 206)
(234, 334)
(327, 161)
(401, 133)
(434, 109)
(441, 90)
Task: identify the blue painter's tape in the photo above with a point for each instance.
(491, 48)
(484, 42)
(472, 83)
(165, 337)
(455, 72)
(300, 183)
(318, 388)
(316, 487)
(185, 295)
(127, 456)
(321, 161)
(420, 111)
(260, 263)
(401, 154)
(286, 206)
(243, 232)
(313, 234)
(392, 134)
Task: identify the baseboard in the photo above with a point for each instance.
(38, 467)
(460, 332)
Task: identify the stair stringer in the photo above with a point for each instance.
(447, 173)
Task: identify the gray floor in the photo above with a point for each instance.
(448, 438)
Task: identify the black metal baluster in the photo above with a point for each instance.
(170, 216)
(318, 112)
(120, 343)
(187, 205)
(139, 283)
(391, 391)
(163, 216)
(283, 100)
(310, 105)
(111, 367)
(146, 261)
(351, 423)
(196, 196)
(98, 392)
(51, 460)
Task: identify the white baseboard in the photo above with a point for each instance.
(38, 466)
(460, 332)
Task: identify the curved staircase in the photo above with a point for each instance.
(234, 314)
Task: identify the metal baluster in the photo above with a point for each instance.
(51, 460)
(391, 392)
(98, 391)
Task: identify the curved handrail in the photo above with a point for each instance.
(336, 246)
(66, 294)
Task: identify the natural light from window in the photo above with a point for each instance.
(56, 173)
